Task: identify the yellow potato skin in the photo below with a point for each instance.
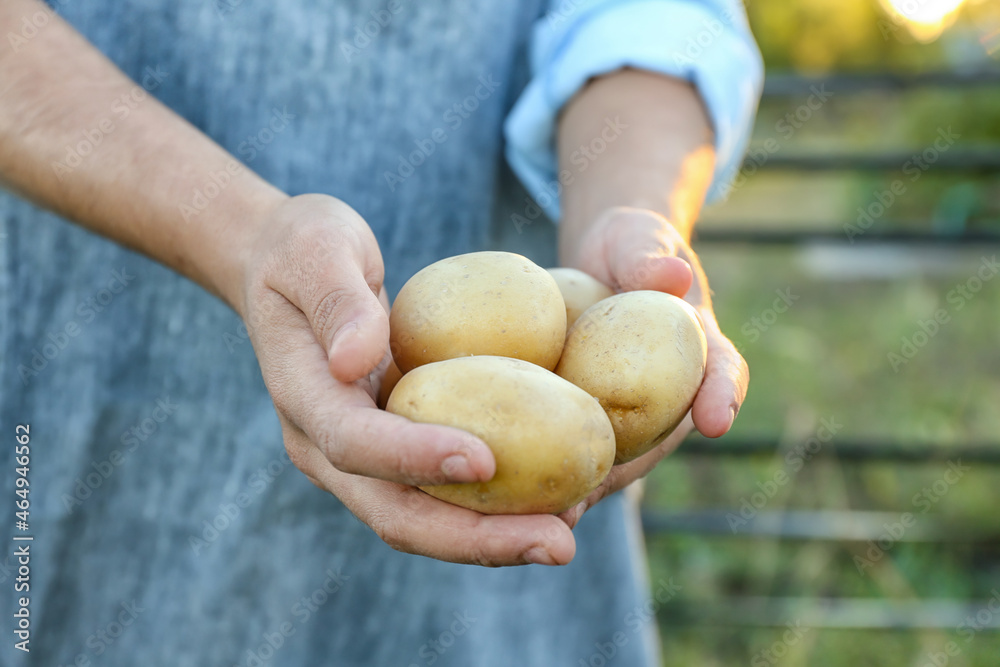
(481, 303)
(579, 290)
(642, 355)
(389, 380)
(552, 442)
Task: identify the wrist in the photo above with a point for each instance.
(242, 222)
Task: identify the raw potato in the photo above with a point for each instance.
(579, 290)
(389, 380)
(494, 303)
(642, 355)
(552, 442)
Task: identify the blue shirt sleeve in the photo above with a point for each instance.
(706, 42)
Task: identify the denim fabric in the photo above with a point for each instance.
(169, 526)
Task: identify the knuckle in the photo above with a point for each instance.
(389, 531)
(325, 432)
(478, 556)
(409, 465)
(325, 313)
(483, 552)
(338, 456)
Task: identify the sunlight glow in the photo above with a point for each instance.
(924, 19)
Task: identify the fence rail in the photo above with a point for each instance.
(981, 160)
(837, 613)
(784, 85)
(825, 525)
(982, 534)
(754, 234)
(854, 451)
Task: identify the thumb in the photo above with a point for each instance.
(642, 249)
(335, 277)
(352, 325)
(347, 318)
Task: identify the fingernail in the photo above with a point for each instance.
(538, 556)
(733, 410)
(457, 469)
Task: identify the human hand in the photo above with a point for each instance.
(317, 316)
(637, 249)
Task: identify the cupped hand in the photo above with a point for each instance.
(316, 311)
(637, 249)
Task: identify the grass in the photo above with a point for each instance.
(828, 356)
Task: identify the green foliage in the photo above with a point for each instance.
(830, 354)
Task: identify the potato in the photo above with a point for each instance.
(493, 303)
(389, 380)
(579, 290)
(552, 442)
(642, 355)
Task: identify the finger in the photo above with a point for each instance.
(342, 421)
(661, 274)
(351, 323)
(409, 520)
(642, 253)
(643, 263)
(724, 388)
(332, 271)
(626, 473)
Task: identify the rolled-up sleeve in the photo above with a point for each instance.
(706, 42)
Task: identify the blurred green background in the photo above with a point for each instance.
(827, 356)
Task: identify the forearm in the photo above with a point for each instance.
(662, 157)
(133, 184)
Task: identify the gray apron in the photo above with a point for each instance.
(169, 526)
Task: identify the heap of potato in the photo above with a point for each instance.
(476, 339)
